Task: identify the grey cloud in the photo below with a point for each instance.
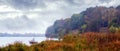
(8, 12)
(23, 24)
(31, 4)
(17, 23)
(75, 2)
(24, 4)
(70, 1)
(107, 1)
(1, 2)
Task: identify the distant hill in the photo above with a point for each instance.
(21, 35)
(90, 20)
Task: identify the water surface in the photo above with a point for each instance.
(10, 40)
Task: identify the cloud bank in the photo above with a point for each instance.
(21, 16)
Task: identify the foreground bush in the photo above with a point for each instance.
(17, 46)
(73, 42)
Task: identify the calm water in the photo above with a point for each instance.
(10, 40)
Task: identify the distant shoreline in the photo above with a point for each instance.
(21, 35)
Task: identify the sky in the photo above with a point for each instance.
(34, 16)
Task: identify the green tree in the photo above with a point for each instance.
(112, 29)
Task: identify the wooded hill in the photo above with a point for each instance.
(91, 20)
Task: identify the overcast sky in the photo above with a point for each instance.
(34, 16)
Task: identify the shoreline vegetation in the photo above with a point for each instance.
(90, 41)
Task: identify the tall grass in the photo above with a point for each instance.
(73, 42)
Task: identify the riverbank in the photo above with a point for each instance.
(72, 42)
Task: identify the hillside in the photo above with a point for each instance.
(91, 20)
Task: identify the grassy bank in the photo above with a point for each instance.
(72, 42)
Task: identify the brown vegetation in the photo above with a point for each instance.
(73, 42)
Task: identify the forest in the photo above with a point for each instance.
(93, 19)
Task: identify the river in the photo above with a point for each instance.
(10, 40)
